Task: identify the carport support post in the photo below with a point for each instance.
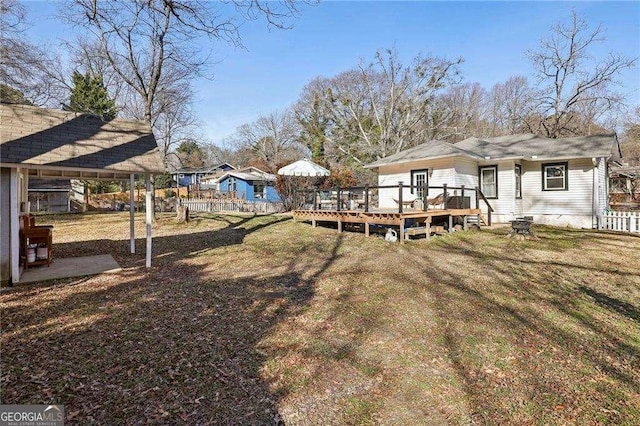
(149, 215)
(14, 226)
(132, 229)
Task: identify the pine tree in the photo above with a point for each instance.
(89, 95)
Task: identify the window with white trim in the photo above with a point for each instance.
(489, 181)
(259, 190)
(518, 172)
(555, 177)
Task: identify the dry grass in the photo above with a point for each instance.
(247, 320)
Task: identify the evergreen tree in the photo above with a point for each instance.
(89, 95)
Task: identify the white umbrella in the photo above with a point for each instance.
(304, 167)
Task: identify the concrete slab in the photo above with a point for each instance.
(71, 267)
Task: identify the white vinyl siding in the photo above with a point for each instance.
(577, 200)
(466, 173)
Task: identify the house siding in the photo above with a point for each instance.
(573, 207)
(245, 190)
(504, 206)
(466, 173)
(443, 172)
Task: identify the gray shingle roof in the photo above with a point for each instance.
(524, 146)
(530, 146)
(431, 149)
(46, 137)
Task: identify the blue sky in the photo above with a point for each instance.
(335, 35)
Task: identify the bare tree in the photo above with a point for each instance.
(569, 77)
(511, 106)
(141, 39)
(378, 108)
(23, 66)
(465, 114)
(271, 138)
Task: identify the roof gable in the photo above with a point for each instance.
(33, 136)
(257, 175)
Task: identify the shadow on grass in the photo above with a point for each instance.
(164, 345)
(173, 247)
(613, 304)
(535, 303)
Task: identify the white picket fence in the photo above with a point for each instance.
(620, 221)
(236, 206)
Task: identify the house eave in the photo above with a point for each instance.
(45, 171)
(565, 157)
(415, 160)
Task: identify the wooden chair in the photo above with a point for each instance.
(436, 202)
(32, 234)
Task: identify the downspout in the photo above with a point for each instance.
(594, 194)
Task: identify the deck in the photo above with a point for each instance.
(421, 220)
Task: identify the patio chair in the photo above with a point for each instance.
(407, 198)
(436, 202)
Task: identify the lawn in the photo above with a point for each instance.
(252, 320)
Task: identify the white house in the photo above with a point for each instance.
(560, 182)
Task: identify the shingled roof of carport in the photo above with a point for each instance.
(48, 139)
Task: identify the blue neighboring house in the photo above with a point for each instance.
(251, 184)
(192, 176)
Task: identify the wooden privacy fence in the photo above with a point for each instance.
(237, 206)
(620, 221)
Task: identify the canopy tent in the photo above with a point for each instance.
(304, 167)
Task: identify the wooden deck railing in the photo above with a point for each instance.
(341, 198)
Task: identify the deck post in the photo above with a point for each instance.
(366, 199)
(14, 226)
(339, 225)
(462, 197)
(450, 223)
(465, 224)
(445, 196)
(477, 198)
(132, 233)
(425, 197)
(366, 229)
(401, 230)
(314, 223)
(339, 199)
(400, 197)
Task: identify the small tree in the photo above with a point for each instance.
(89, 95)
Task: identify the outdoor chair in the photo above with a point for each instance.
(436, 202)
(407, 198)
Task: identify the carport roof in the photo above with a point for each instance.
(49, 139)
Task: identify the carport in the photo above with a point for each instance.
(48, 143)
